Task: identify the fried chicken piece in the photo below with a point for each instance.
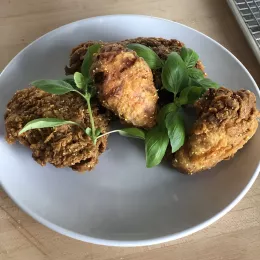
(125, 85)
(226, 121)
(63, 146)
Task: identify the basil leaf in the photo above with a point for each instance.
(58, 87)
(156, 142)
(132, 132)
(71, 81)
(190, 94)
(44, 123)
(171, 107)
(189, 56)
(88, 131)
(98, 131)
(151, 58)
(88, 60)
(174, 73)
(206, 83)
(195, 73)
(79, 80)
(176, 130)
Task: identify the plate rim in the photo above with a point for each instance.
(144, 242)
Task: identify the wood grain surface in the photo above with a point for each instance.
(234, 237)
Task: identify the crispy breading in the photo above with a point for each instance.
(125, 85)
(226, 121)
(63, 146)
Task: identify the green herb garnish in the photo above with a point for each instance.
(205, 83)
(47, 122)
(176, 130)
(190, 94)
(156, 143)
(57, 87)
(81, 83)
(151, 58)
(194, 73)
(187, 83)
(174, 73)
(189, 56)
(179, 76)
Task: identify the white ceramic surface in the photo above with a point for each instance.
(122, 203)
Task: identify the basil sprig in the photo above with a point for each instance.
(55, 122)
(83, 88)
(187, 83)
(170, 128)
(81, 83)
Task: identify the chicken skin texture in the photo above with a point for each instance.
(125, 85)
(226, 121)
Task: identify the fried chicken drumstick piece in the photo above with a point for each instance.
(125, 85)
(226, 121)
(62, 146)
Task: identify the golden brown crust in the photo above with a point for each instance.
(226, 121)
(63, 146)
(125, 85)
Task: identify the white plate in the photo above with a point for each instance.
(121, 203)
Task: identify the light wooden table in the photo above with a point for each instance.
(235, 236)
